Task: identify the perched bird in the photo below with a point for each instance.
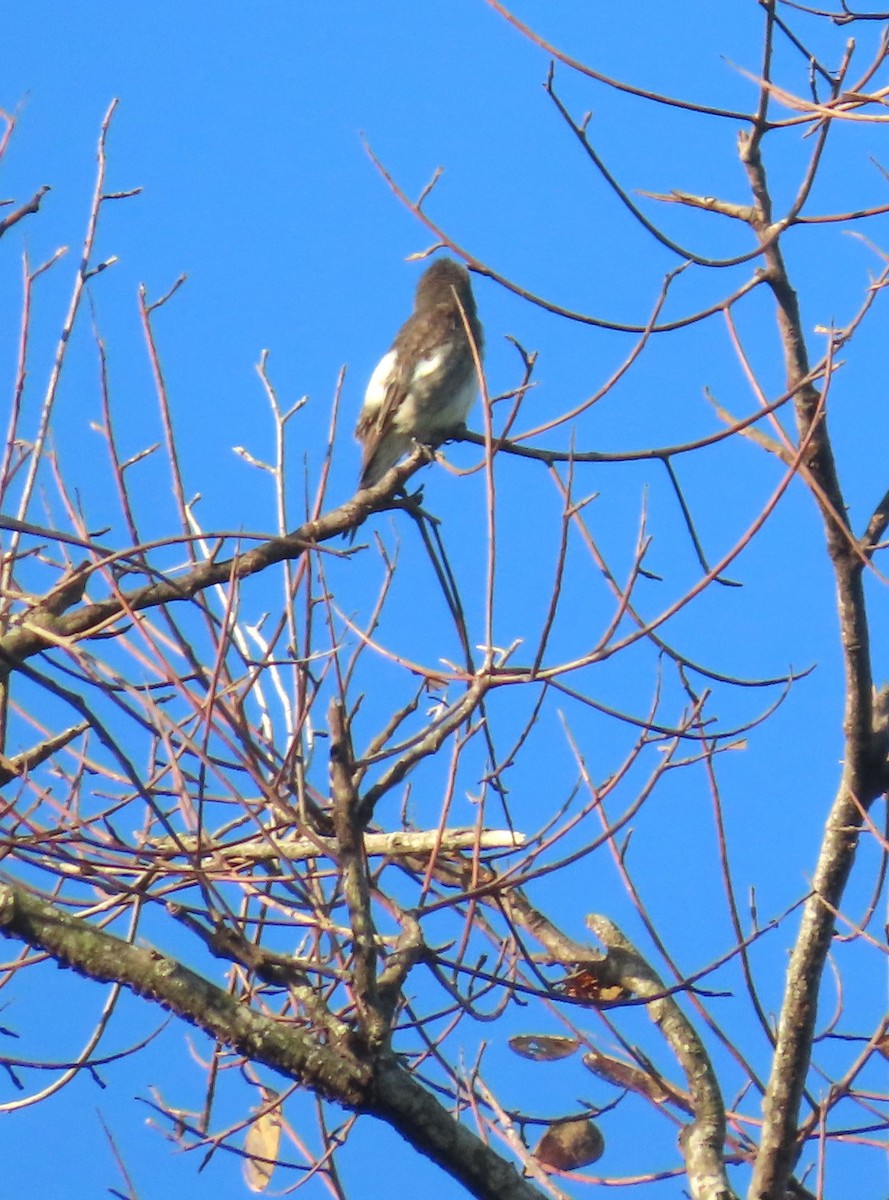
(423, 388)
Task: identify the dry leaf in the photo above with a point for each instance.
(568, 1145)
(543, 1047)
(583, 985)
(262, 1142)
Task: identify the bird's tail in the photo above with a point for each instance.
(380, 454)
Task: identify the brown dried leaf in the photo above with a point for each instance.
(543, 1047)
(568, 1145)
(618, 1072)
(584, 984)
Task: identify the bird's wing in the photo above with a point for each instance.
(381, 398)
(431, 364)
(390, 384)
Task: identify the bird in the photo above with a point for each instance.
(423, 387)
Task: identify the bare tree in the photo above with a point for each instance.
(270, 779)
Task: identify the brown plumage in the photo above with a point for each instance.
(424, 386)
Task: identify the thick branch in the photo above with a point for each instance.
(355, 882)
(333, 1072)
(397, 844)
(703, 1141)
(400, 1101)
(385, 1090)
(863, 772)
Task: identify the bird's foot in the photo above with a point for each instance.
(456, 434)
(412, 503)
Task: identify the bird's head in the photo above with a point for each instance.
(439, 283)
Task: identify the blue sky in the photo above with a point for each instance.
(243, 125)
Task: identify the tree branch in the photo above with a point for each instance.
(703, 1141)
(383, 1089)
(333, 1071)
